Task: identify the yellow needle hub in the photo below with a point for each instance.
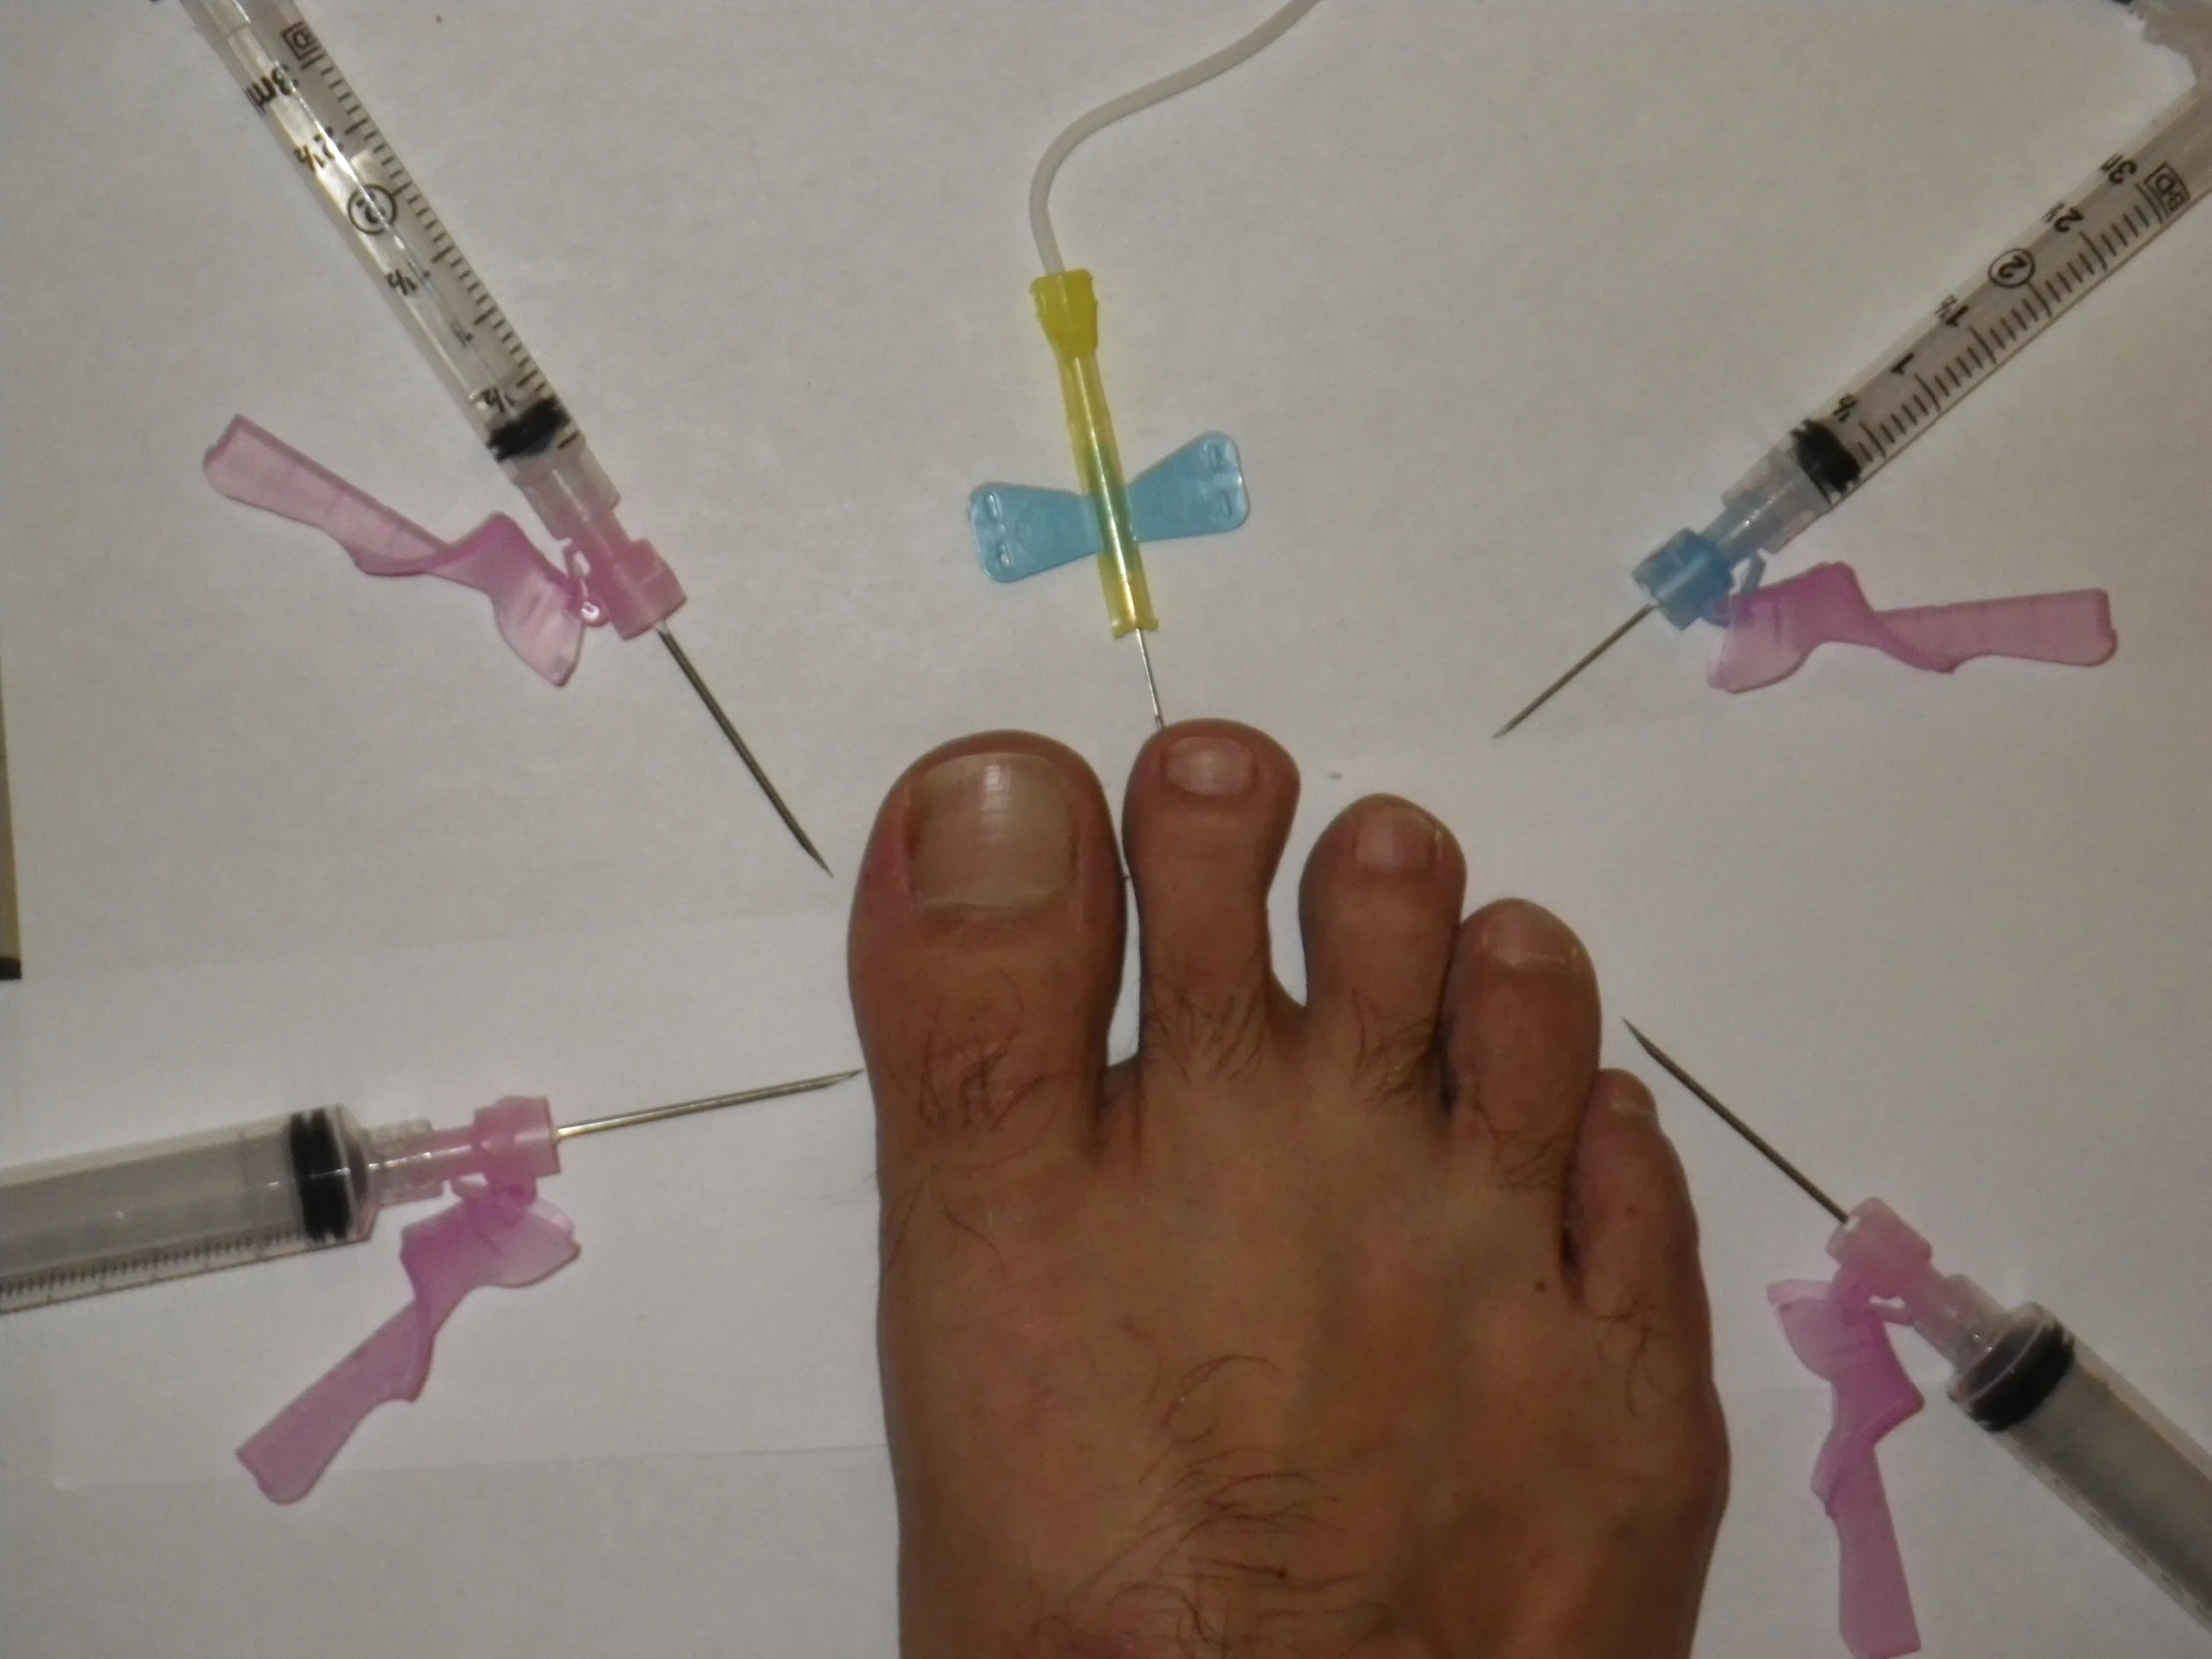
(1068, 311)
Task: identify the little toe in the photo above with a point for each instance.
(985, 953)
(1208, 810)
(1520, 1055)
(1634, 1260)
(1633, 1232)
(1379, 910)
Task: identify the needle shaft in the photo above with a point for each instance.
(1559, 685)
(1151, 686)
(1738, 1124)
(713, 1103)
(730, 730)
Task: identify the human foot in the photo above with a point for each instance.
(1372, 1325)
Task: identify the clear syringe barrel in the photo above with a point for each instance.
(2055, 1404)
(111, 1220)
(2091, 1438)
(2117, 212)
(103, 1221)
(293, 84)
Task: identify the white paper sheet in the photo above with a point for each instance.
(1494, 297)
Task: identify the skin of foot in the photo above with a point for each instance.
(1372, 1325)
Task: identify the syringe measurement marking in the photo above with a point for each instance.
(148, 1267)
(375, 170)
(2161, 193)
(383, 187)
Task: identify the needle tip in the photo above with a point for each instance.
(713, 1103)
(729, 730)
(1568, 679)
(806, 846)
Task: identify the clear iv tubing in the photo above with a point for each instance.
(2055, 1404)
(2117, 212)
(1270, 29)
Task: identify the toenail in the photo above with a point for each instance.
(1630, 1100)
(1210, 765)
(1396, 840)
(991, 832)
(1518, 934)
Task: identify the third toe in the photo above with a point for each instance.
(1379, 910)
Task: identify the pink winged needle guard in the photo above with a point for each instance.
(1773, 628)
(495, 1235)
(540, 609)
(1845, 1341)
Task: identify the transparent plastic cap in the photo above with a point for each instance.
(1887, 1259)
(626, 579)
(1689, 578)
(510, 1141)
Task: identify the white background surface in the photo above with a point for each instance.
(1493, 296)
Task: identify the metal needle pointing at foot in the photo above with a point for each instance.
(713, 1103)
(1559, 685)
(744, 754)
(1152, 685)
(1738, 1124)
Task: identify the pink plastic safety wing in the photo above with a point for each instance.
(495, 1235)
(1844, 1342)
(540, 609)
(1773, 628)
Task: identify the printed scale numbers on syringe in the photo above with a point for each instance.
(2132, 198)
(290, 76)
(409, 253)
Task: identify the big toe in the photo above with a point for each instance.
(985, 954)
(1208, 810)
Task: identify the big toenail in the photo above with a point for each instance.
(1517, 934)
(991, 832)
(1211, 766)
(1396, 840)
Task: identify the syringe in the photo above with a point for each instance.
(294, 83)
(2023, 1377)
(2123, 208)
(110, 1220)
